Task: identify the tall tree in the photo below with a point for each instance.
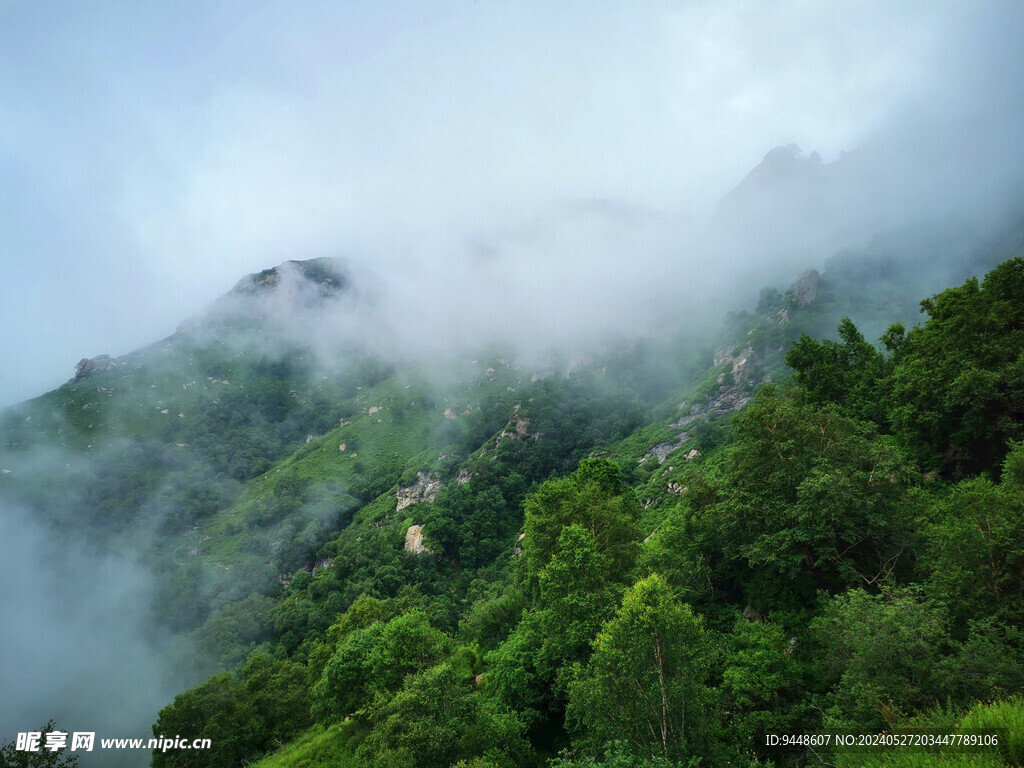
(647, 679)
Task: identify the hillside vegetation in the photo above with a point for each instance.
(655, 558)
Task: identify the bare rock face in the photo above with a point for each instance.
(87, 367)
(727, 397)
(517, 427)
(662, 450)
(805, 290)
(738, 362)
(424, 489)
(414, 540)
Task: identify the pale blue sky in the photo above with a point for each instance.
(152, 153)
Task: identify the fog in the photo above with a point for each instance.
(153, 155)
(76, 645)
(547, 178)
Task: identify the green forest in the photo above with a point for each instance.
(847, 555)
(659, 559)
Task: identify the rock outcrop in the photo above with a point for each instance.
(423, 490)
(662, 450)
(727, 397)
(414, 540)
(98, 364)
(805, 290)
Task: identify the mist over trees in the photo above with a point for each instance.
(576, 426)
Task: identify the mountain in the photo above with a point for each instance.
(264, 531)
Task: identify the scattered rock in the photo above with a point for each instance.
(374, 409)
(449, 413)
(676, 489)
(464, 476)
(342, 447)
(693, 454)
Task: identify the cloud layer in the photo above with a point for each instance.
(149, 156)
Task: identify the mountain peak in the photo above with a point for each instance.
(323, 276)
(291, 289)
(784, 170)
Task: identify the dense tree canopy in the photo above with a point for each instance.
(957, 389)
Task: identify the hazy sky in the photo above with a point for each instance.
(153, 153)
